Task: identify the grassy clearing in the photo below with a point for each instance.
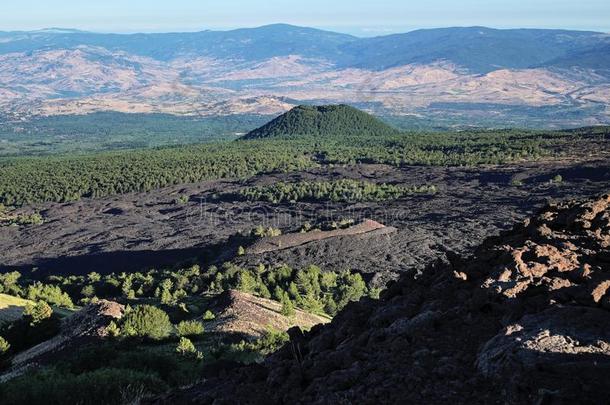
(11, 308)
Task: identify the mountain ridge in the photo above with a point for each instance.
(480, 49)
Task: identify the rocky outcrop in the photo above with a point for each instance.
(526, 319)
(563, 351)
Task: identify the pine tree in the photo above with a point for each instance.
(287, 306)
(38, 312)
(166, 297)
(185, 347)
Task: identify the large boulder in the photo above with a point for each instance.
(562, 353)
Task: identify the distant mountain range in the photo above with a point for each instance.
(471, 75)
(479, 49)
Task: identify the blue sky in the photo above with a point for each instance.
(365, 18)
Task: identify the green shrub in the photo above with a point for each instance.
(4, 346)
(269, 342)
(374, 293)
(262, 232)
(8, 219)
(209, 316)
(189, 328)
(246, 282)
(49, 293)
(146, 321)
(183, 199)
(36, 313)
(9, 284)
(516, 183)
(185, 347)
(88, 291)
(113, 330)
(167, 297)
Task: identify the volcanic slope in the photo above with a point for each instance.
(321, 121)
(524, 320)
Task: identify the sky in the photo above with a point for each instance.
(362, 18)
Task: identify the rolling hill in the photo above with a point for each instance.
(478, 49)
(518, 77)
(322, 121)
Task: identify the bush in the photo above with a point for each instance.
(174, 370)
(516, 183)
(113, 330)
(248, 352)
(36, 313)
(49, 293)
(88, 291)
(272, 340)
(4, 346)
(209, 316)
(185, 347)
(146, 321)
(261, 232)
(189, 328)
(9, 284)
(183, 199)
(9, 219)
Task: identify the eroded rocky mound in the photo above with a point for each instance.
(367, 227)
(526, 319)
(84, 327)
(246, 316)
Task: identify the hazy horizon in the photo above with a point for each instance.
(383, 17)
(362, 32)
